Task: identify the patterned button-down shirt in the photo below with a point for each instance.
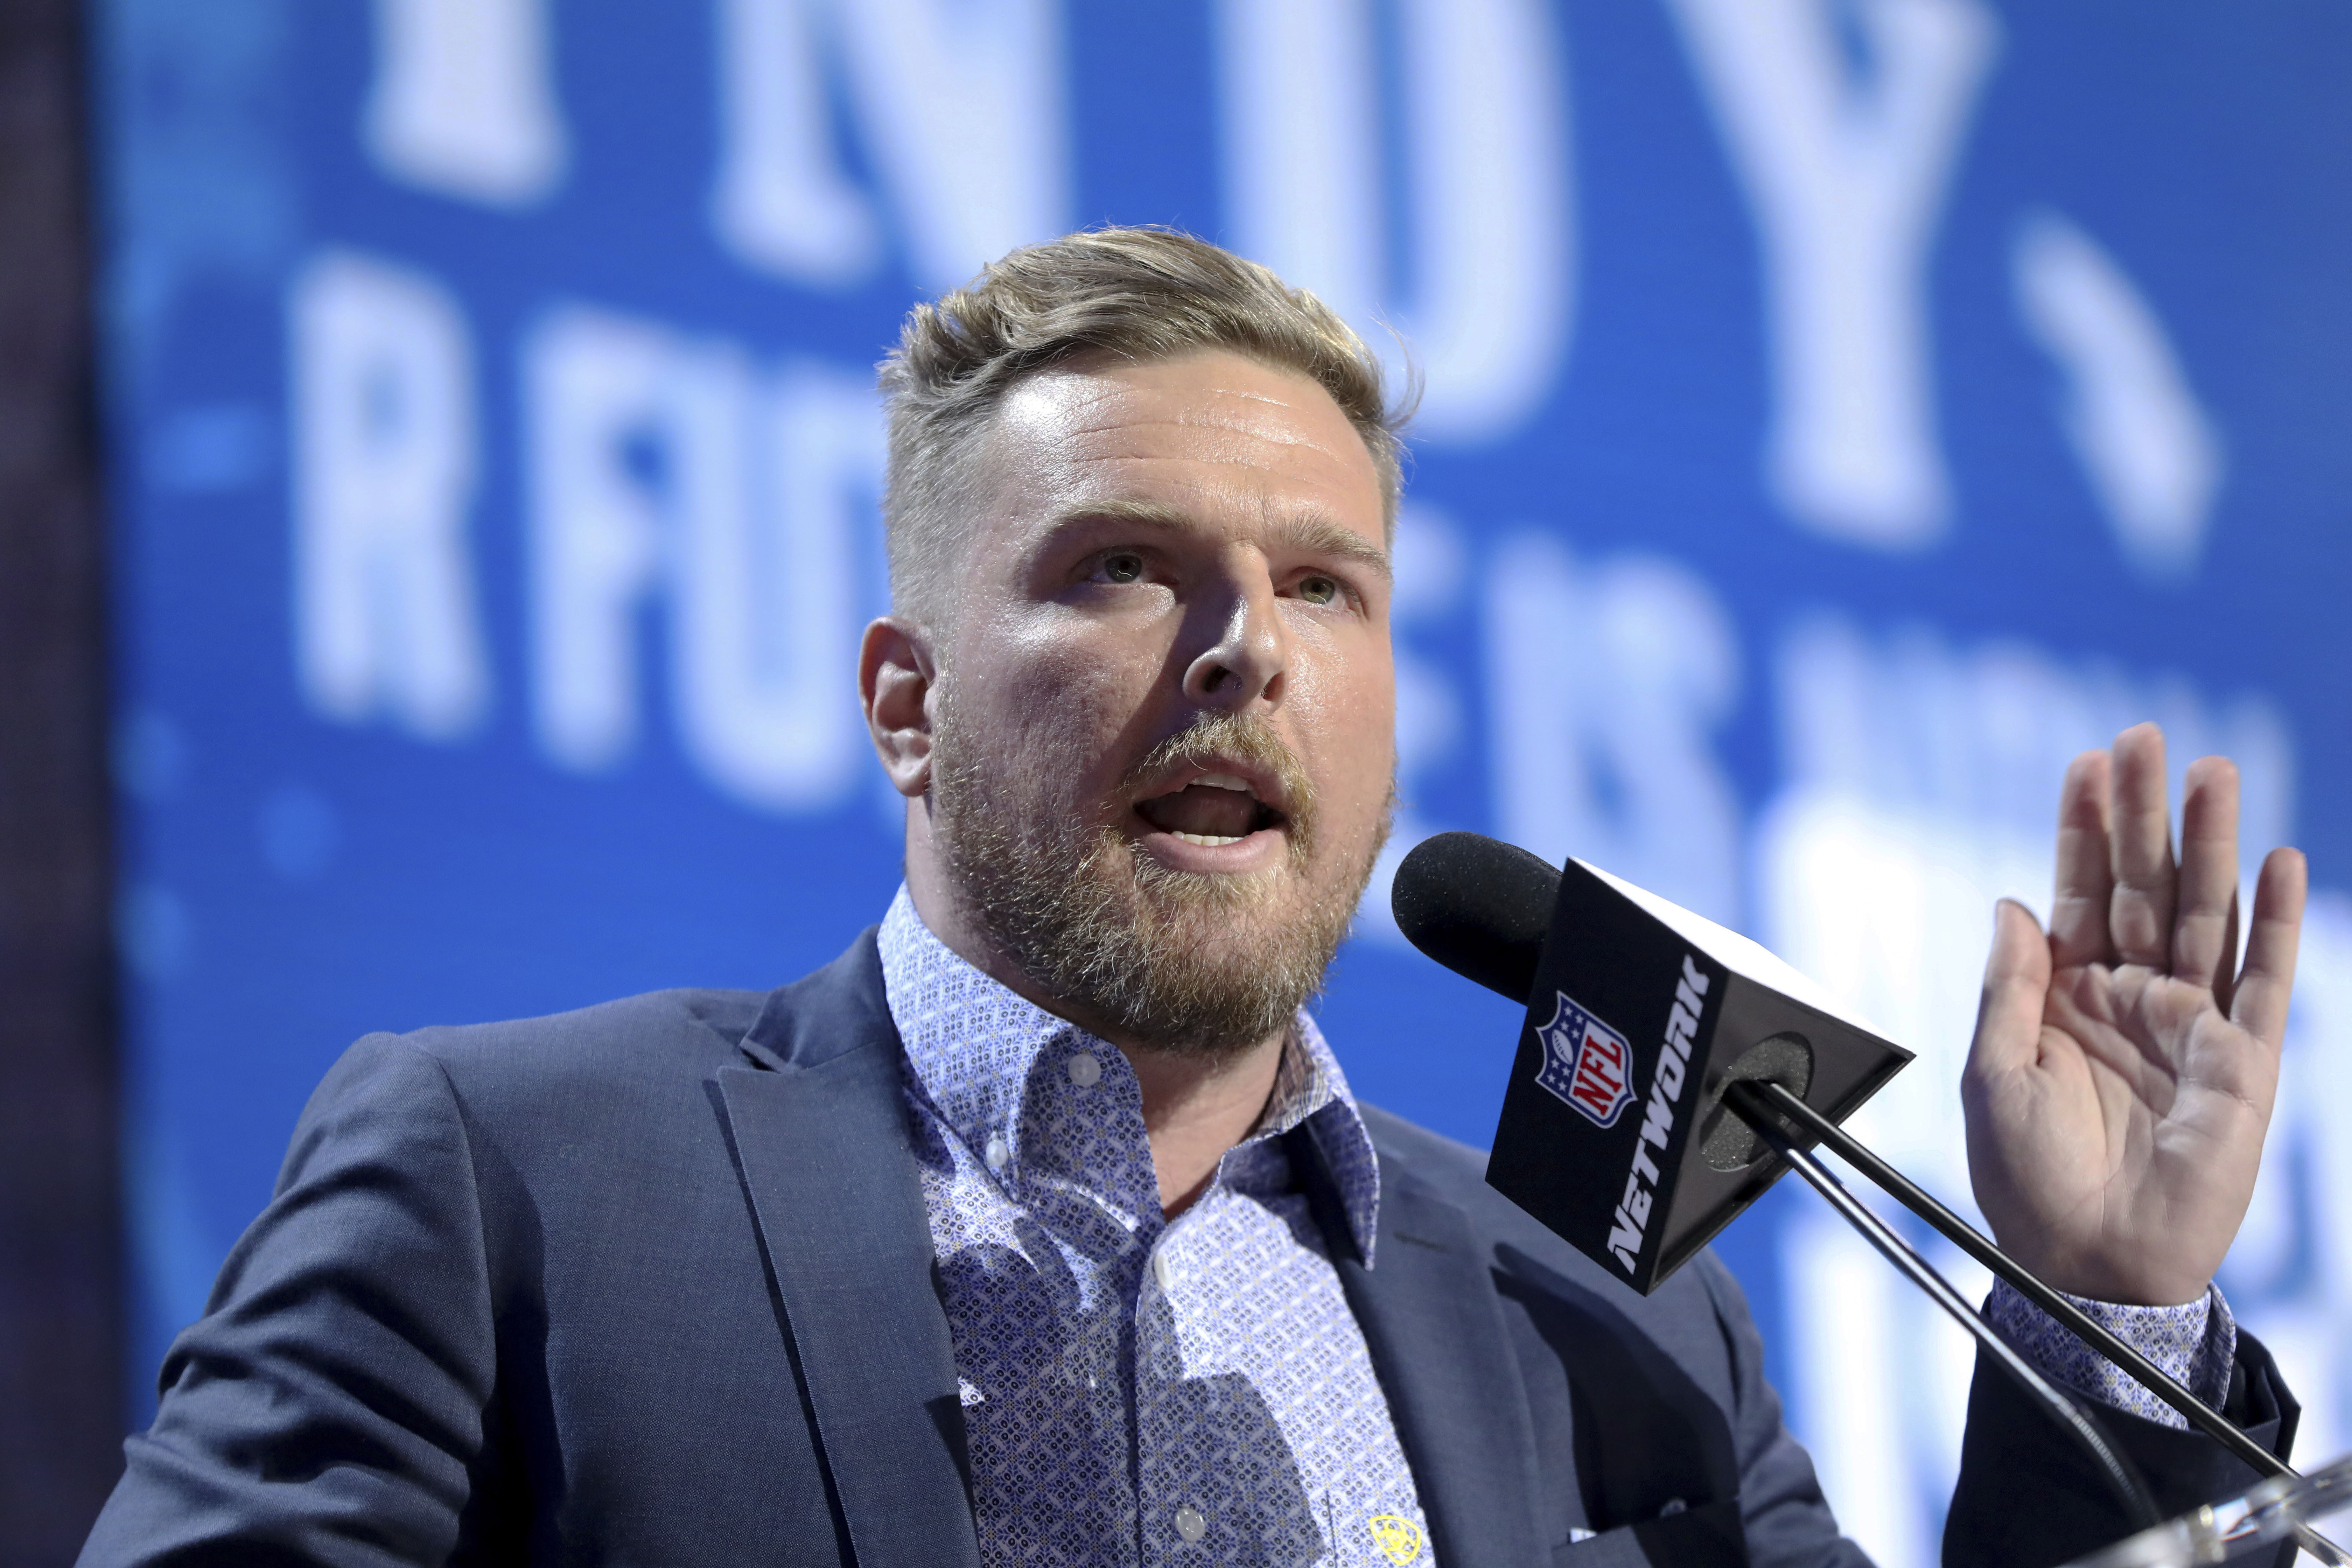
(1196, 1391)
(1139, 1390)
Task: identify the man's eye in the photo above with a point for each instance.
(1124, 566)
(1318, 590)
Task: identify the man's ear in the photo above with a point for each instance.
(896, 672)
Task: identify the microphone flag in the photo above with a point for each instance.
(1613, 1133)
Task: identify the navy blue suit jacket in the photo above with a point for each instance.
(652, 1283)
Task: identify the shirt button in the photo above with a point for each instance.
(1084, 1072)
(997, 1152)
(1164, 1270)
(1190, 1524)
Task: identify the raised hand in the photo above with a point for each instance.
(2122, 1074)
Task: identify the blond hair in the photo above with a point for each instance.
(1143, 294)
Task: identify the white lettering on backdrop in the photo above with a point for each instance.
(768, 600)
(662, 466)
(381, 381)
(1486, 177)
(2153, 458)
(663, 471)
(1604, 684)
(960, 103)
(463, 101)
(1846, 172)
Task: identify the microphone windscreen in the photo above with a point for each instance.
(1478, 906)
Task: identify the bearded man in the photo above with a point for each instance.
(1041, 1226)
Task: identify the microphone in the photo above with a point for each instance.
(1640, 1016)
(1478, 906)
(1670, 1070)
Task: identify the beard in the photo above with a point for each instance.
(1195, 964)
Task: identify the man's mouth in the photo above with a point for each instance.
(1212, 810)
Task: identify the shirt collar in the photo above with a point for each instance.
(993, 1064)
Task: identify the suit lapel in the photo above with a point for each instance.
(822, 1152)
(1438, 1342)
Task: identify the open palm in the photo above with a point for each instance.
(2122, 1074)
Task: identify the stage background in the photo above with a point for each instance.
(1837, 415)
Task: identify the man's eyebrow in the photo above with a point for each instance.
(1321, 536)
(1308, 532)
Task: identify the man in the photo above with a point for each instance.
(1041, 1227)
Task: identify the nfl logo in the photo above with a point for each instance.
(1586, 1064)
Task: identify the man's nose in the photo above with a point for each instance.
(1252, 652)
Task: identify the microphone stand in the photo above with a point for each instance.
(1769, 1109)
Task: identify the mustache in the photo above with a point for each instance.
(1242, 738)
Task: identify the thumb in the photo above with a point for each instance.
(2016, 984)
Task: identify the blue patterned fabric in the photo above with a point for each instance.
(2194, 1343)
(1137, 1390)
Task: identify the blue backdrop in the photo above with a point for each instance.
(1838, 412)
